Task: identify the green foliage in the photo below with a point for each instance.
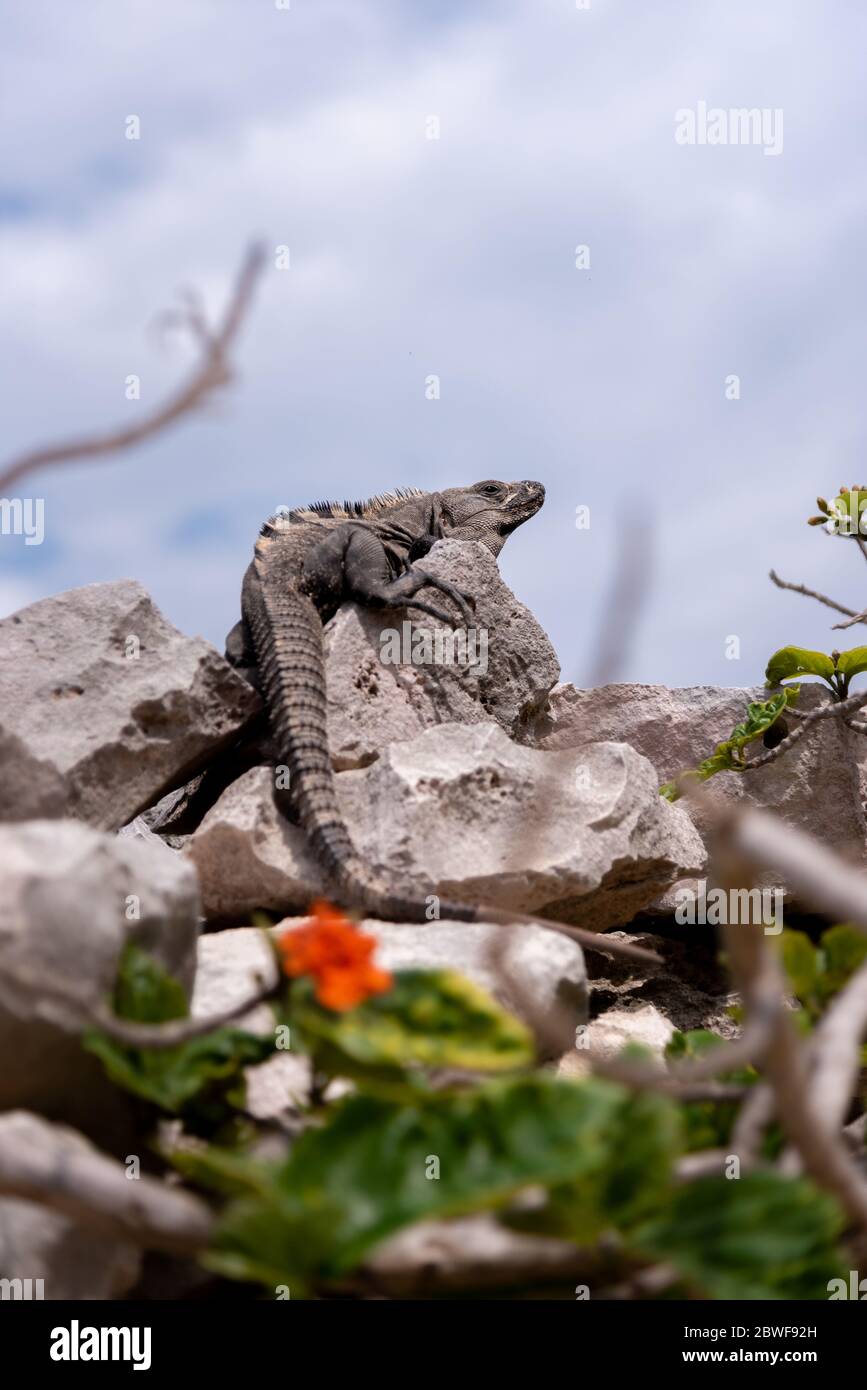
(762, 1236)
(844, 516)
(708, 1123)
(202, 1079)
(817, 973)
(601, 1157)
(144, 992)
(727, 756)
(429, 1018)
(376, 1166)
(605, 1157)
(836, 670)
(853, 662)
(798, 661)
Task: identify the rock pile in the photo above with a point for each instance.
(485, 782)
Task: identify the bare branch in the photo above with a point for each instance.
(214, 372)
(834, 709)
(755, 1115)
(823, 880)
(747, 841)
(822, 598)
(707, 1163)
(54, 1166)
(622, 610)
(835, 1050)
(181, 1030)
(813, 594)
(695, 1072)
(850, 622)
(71, 1006)
(590, 940)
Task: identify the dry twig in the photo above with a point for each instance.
(49, 1164)
(214, 372)
(812, 593)
(839, 709)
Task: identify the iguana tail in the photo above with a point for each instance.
(288, 640)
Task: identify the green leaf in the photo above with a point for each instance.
(429, 1018)
(762, 1236)
(845, 512)
(227, 1171)
(707, 1124)
(171, 1077)
(144, 992)
(800, 962)
(818, 973)
(843, 950)
(201, 1078)
(376, 1166)
(853, 662)
(798, 661)
(761, 714)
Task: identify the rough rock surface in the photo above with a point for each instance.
(372, 703)
(67, 890)
(463, 811)
(37, 1243)
(248, 856)
(815, 787)
(105, 706)
(536, 966)
(473, 1252)
(580, 837)
(631, 1004)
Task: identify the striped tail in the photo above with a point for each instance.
(287, 635)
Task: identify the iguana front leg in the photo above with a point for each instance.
(368, 576)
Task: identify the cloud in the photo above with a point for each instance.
(453, 256)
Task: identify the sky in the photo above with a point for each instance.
(607, 374)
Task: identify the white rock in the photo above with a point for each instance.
(104, 705)
(464, 812)
(815, 787)
(249, 857)
(535, 968)
(372, 703)
(607, 1035)
(582, 837)
(39, 1244)
(70, 895)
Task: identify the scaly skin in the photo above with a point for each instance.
(306, 564)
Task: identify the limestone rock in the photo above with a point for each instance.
(104, 705)
(373, 703)
(535, 968)
(815, 787)
(463, 812)
(67, 893)
(582, 837)
(71, 1263)
(249, 857)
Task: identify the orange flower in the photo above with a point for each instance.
(337, 955)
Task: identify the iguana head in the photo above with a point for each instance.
(489, 511)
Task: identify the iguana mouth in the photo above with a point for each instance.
(523, 508)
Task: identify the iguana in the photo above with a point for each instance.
(309, 561)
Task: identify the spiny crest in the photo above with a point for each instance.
(338, 511)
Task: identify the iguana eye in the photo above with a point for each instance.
(491, 488)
